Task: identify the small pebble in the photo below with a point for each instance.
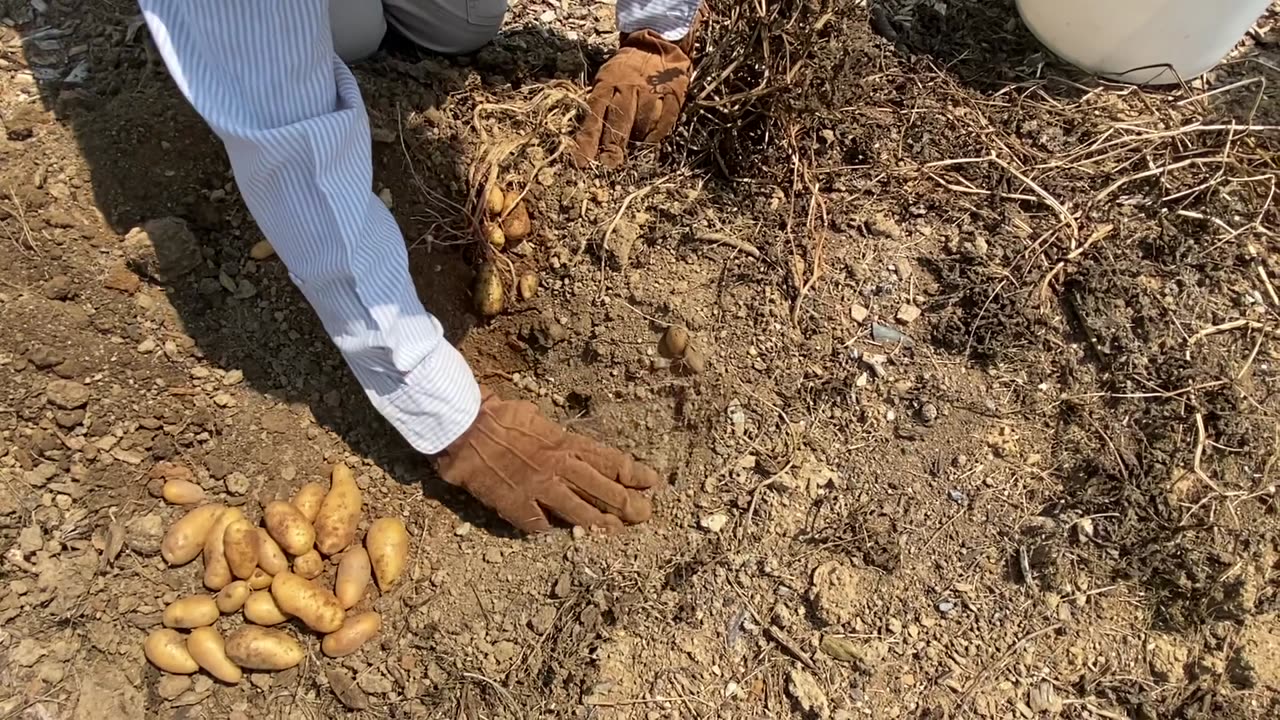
(908, 314)
(714, 522)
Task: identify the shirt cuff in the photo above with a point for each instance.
(437, 403)
(669, 18)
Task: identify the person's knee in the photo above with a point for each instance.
(358, 28)
(448, 26)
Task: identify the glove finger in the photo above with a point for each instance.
(565, 504)
(648, 110)
(617, 127)
(587, 139)
(667, 117)
(510, 503)
(617, 465)
(628, 505)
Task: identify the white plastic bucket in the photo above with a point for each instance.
(1113, 38)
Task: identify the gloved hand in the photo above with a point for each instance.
(637, 95)
(523, 466)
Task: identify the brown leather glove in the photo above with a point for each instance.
(523, 466)
(637, 95)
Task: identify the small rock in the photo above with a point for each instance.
(27, 653)
(68, 369)
(346, 690)
(884, 226)
(375, 683)
(237, 483)
(503, 650)
(563, 586)
(1256, 662)
(30, 539)
(171, 686)
(44, 357)
(67, 394)
(1044, 698)
(120, 278)
(57, 287)
(385, 196)
(808, 694)
(144, 534)
(908, 314)
(146, 346)
(218, 468)
(928, 413)
(69, 418)
(163, 248)
(223, 400)
(859, 313)
(233, 377)
(463, 530)
(714, 522)
(543, 618)
(493, 555)
(129, 457)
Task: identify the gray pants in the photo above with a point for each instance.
(446, 26)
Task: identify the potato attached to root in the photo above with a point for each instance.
(339, 513)
(315, 606)
(209, 651)
(167, 649)
(185, 538)
(489, 293)
(289, 527)
(355, 632)
(259, 648)
(388, 545)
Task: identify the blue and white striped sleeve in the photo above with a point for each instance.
(669, 18)
(265, 78)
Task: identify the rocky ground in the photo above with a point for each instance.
(979, 417)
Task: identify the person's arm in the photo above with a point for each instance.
(265, 78)
(671, 19)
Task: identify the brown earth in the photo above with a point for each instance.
(1057, 501)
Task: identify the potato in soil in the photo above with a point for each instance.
(489, 293)
(182, 492)
(166, 648)
(217, 573)
(289, 527)
(240, 545)
(494, 201)
(308, 500)
(259, 648)
(315, 606)
(516, 225)
(388, 545)
(339, 513)
(231, 598)
(185, 538)
(494, 236)
(208, 650)
(356, 631)
(354, 571)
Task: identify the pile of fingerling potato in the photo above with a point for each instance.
(269, 574)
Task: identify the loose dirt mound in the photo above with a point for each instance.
(982, 421)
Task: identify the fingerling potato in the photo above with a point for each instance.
(185, 538)
(182, 492)
(259, 648)
(208, 650)
(315, 606)
(353, 577)
(309, 565)
(289, 527)
(231, 598)
(339, 513)
(259, 580)
(388, 545)
(240, 546)
(261, 609)
(191, 612)
(166, 648)
(217, 573)
(355, 632)
(308, 500)
(270, 557)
